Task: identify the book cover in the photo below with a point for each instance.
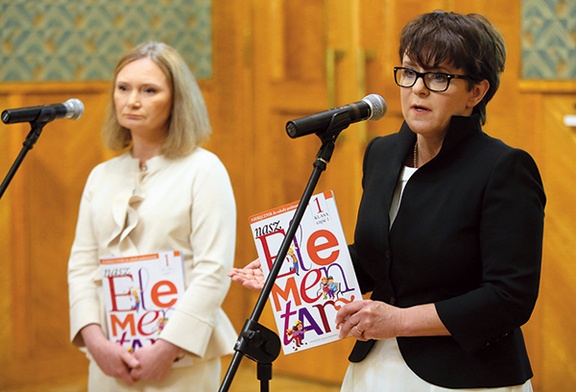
(316, 278)
(140, 293)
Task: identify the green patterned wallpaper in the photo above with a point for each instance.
(549, 39)
(82, 40)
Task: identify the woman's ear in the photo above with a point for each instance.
(478, 92)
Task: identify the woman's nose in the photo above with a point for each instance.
(134, 99)
(420, 87)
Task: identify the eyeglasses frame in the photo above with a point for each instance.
(423, 74)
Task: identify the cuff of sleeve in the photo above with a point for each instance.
(188, 333)
(82, 314)
(461, 329)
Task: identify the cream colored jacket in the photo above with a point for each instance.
(185, 204)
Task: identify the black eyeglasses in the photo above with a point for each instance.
(434, 81)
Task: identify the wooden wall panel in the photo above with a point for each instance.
(228, 97)
(557, 367)
(57, 170)
(41, 206)
(7, 265)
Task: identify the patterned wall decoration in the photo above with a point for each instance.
(549, 39)
(82, 40)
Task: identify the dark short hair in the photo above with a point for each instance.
(468, 42)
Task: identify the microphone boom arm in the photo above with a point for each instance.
(27, 145)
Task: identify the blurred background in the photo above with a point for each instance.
(260, 63)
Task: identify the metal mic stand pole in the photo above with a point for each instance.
(28, 144)
(257, 342)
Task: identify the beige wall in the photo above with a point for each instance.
(275, 60)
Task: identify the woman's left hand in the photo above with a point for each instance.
(155, 361)
(369, 319)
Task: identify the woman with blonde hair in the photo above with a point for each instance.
(163, 192)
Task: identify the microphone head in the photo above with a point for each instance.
(377, 105)
(74, 109)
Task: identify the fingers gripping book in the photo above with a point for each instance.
(316, 278)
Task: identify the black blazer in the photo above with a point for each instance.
(468, 238)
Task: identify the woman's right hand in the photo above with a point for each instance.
(113, 359)
(250, 276)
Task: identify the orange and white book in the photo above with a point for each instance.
(140, 294)
(316, 278)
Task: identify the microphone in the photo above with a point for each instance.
(72, 109)
(372, 107)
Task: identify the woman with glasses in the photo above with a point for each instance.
(449, 231)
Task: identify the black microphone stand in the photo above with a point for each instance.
(28, 144)
(257, 342)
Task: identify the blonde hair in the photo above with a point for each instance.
(189, 120)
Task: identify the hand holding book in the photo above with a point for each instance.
(316, 277)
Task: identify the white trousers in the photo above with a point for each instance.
(384, 370)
